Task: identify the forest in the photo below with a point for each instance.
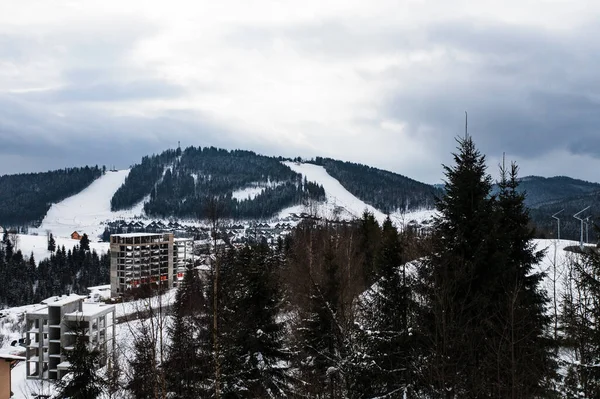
(387, 191)
(181, 183)
(25, 281)
(363, 310)
(26, 197)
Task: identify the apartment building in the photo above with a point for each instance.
(183, 253)
(53, 328)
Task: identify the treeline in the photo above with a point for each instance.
(26, 198)
(389, 192)
(179, 183)
(66, 271)
(366, 311)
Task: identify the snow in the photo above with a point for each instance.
(38, 245)
(86, 211)
(247, 193)
(340, 203)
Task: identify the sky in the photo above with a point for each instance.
(384, 83)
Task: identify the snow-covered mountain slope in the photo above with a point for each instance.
(341, 203)
(85, 211)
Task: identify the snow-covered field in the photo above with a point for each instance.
(85, 211)
(38, 245)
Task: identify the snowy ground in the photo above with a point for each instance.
(86, 211)
(38, 245)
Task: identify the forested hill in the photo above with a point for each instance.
(543, 191)
(182, 183)
(389, 192)
(547, 195)
(26, 197)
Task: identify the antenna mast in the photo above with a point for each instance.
(466, 124)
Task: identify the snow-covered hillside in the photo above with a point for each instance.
(85, 211)
(38, 245)
(341, 203)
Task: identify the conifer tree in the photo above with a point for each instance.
(85, 382)
(524, 363)
(383, 360)
(454, 278)
(190, 340)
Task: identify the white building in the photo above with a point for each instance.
(53, 329)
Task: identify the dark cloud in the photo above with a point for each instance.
(527, 92)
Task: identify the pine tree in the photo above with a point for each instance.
(145, 381)
(85, 382)
(524, 363)
(84, 243)
(383, 360)
(190, 340)
(51, 243)
(254, 357)
(455, 277)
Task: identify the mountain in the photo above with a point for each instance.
(25, 198)
(547, 196)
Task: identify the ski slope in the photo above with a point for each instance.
(86, 211)
(341, 203)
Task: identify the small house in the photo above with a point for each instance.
(75, 236)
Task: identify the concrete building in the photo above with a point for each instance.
(53, 329)
(138, 259)
(183, 253)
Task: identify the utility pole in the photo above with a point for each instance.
(558, 221)
(576, 216)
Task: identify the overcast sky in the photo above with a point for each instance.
(384, 83)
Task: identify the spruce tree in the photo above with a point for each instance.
(524, 363)
(383, 360)
(190, 340)
(85, 382)
(455, 277)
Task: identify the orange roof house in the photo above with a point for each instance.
(75, 236)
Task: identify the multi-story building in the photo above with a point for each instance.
(54, 328)
(183, 254)
(139, 259)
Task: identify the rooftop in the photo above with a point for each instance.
(138, 235)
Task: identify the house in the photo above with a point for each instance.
(7, 362)
(75, 236)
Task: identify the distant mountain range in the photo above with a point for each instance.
(184, 183)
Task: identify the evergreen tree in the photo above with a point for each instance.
(85, 382)
(51, 243)
(455, 277)
(382, 361)
(190, 340)
(145, 381)
(254, 356)
(84, 243)
(518, 323)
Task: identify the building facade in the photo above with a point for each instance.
(53, 329)
(183, 255)
(139, 259)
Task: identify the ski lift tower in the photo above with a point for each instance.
(555, 216)
(576, 216)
